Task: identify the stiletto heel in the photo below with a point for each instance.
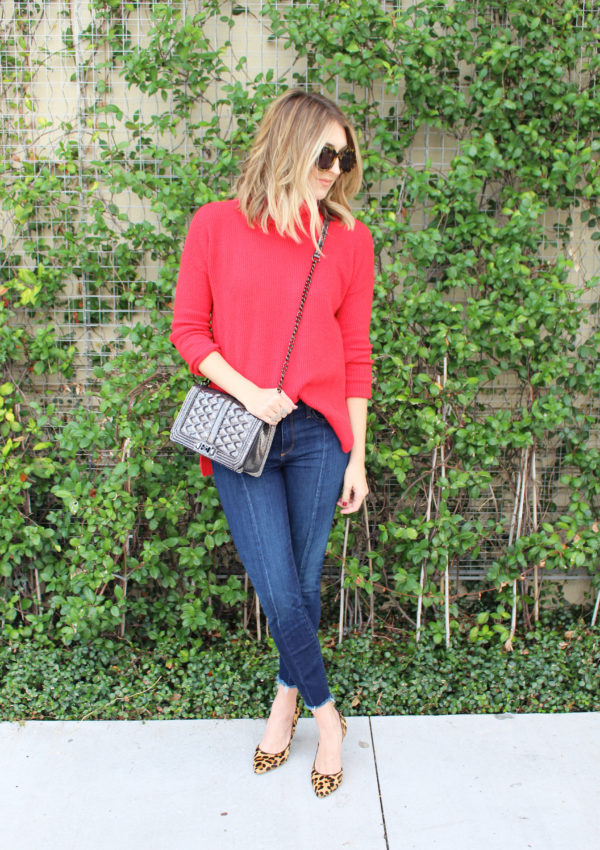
(263, 762)
(325, 784)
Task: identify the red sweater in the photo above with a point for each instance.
(238, 292)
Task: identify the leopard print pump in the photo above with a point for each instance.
(325, 784)
(263, 762)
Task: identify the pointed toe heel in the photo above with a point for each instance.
(325, 784)
(264, 762)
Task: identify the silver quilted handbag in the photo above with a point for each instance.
(218, 426)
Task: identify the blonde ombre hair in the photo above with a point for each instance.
(274, 180)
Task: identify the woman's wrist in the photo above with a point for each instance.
(357, 411)
(356, 459)
(218, 370)
(245, 391)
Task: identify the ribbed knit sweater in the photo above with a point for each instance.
(238, 293)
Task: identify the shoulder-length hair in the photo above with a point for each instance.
(274, 180)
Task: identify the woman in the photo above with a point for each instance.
(242, 272)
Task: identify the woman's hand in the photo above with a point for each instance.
(355, 487)
(267, 404)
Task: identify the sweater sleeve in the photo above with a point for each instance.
(354, 317)
(191, 332)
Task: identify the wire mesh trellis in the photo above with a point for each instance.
(55, 73)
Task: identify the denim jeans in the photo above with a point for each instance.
(280, 525)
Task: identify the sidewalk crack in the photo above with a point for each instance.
(385, 835)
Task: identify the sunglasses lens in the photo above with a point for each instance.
(347, 160)
(326, 158)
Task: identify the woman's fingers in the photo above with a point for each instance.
(271, 406)
(286, 405)
(279, 406)
(351, 502)
(354, 491)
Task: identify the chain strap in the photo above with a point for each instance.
(315, 259)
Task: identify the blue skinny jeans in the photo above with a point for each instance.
(280, 525)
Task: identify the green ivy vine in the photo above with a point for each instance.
(483, 424)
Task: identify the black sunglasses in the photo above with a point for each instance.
(328, 156)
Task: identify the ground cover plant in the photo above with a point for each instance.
(552, 669)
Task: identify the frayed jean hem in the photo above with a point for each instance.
(314, 707)
(287, 687)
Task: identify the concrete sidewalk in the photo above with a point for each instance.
(459, 782)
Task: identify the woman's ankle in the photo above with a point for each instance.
(285, 696)
(327, 717)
